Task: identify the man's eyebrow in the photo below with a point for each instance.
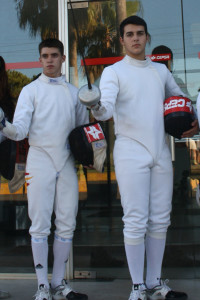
(138, 31)
(46, 54)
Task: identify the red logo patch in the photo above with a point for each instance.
(94, 133)
(177, 104)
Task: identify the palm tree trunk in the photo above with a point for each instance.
(73, 62)
(120, 16)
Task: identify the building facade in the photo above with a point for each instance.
(91, 28)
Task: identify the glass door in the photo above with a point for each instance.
(98, 242)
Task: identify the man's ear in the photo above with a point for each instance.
(148, 38)
(121, 41)
(63, 58)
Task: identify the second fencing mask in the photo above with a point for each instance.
(88, 145)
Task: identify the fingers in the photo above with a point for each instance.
(90, 167)
(194, 130)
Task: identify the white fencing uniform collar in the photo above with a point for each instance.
(136, 62)
(56, 80)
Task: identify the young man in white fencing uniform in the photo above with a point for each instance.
(47, 110)
(133, 92)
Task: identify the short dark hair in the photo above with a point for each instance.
(52, 43)
(135, 20)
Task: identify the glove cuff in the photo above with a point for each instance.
(96, 107)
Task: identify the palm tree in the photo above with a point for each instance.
(98, 34)
(39, 16)
(96, 27)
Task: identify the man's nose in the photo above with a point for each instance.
(49, 58)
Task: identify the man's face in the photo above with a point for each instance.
(134, 41)
(51, 60)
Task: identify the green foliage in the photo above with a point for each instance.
(96, 26)
(17, 81)
(97, 33)
(40, 16)
(96, 36)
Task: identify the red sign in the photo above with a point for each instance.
(88, 61)
(23, 65)
(101, 61)
(160, 57)
(112, 60)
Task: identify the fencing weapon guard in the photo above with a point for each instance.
(89, 97)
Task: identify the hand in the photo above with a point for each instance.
(194, 130)
(90, 167)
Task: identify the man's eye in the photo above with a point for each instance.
(44, 55)
(54, 55)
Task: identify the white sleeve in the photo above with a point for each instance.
(22, 116)
(198, 108)
(109, 87)
(82, 114)
(172, 88)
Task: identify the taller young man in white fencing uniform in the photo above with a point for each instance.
(47, 110)
(133, 91)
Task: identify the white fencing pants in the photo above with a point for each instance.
(145, 185)
(49, 190)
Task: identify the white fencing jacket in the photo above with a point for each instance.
(198, 107)
(47, 110)
(133, 92)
